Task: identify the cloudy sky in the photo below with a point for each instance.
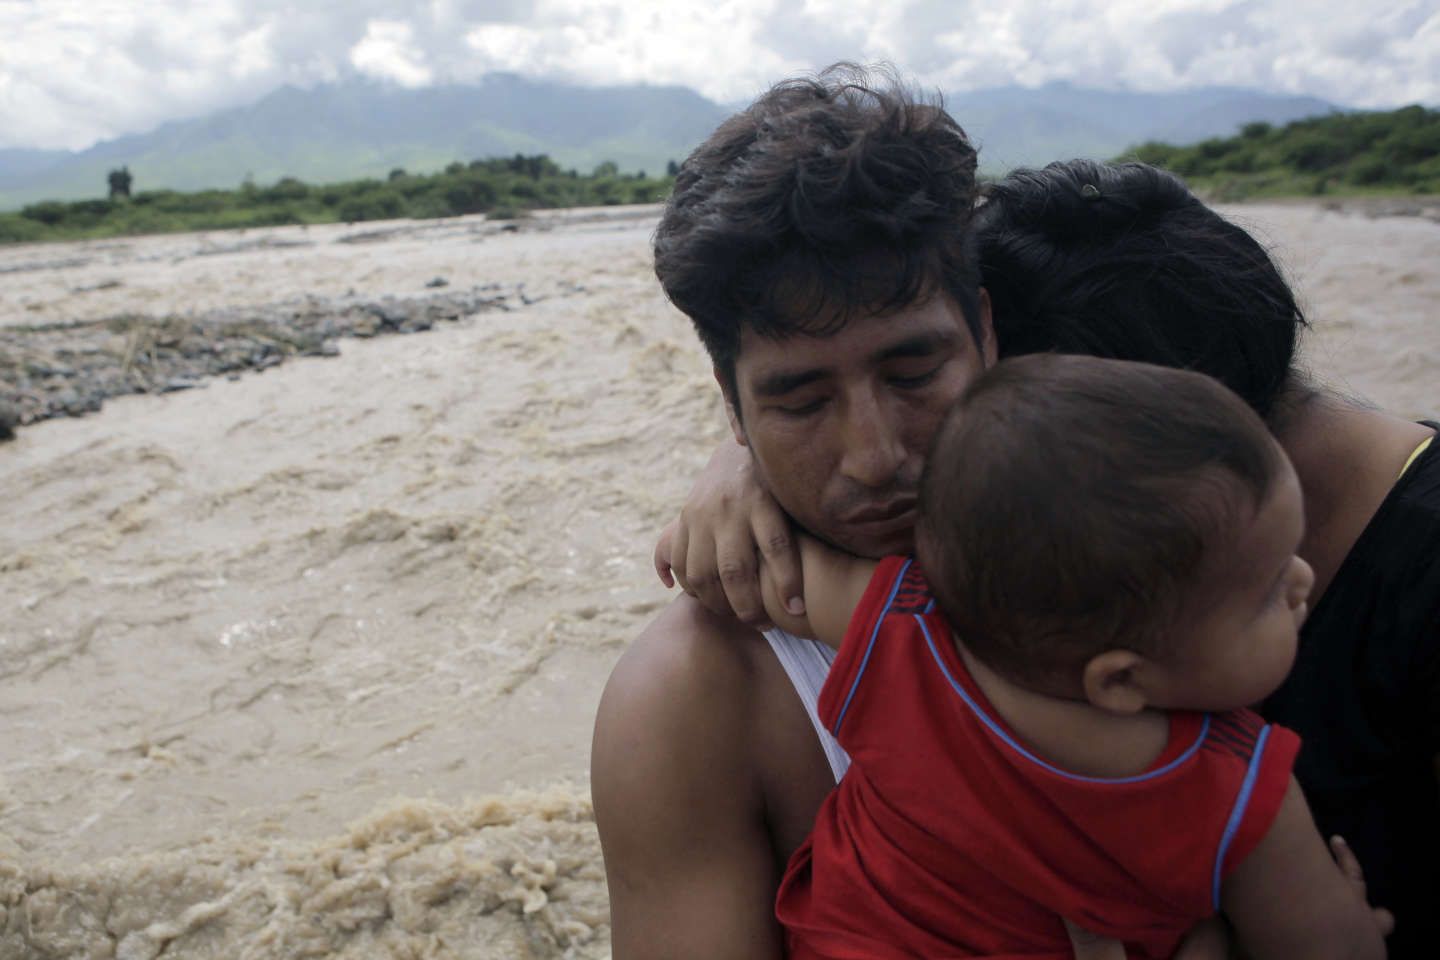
(76, 71)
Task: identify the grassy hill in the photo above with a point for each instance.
(357, 129)
(1393, 152)
(361, 129)
(499, 187)
(1019, 126)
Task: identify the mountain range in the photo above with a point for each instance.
(357, 128)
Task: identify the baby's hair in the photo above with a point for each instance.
(1068, 503)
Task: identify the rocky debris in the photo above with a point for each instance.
(70, 369)
(1425, 207)
(211, 249)
(377, 235)
(1374, 207)
(435, 282)
(29, 266)
(101, 285)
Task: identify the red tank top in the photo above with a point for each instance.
(949, 838)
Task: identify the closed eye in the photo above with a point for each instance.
(803, 409)
(911, 381)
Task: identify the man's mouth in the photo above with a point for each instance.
(881, 513)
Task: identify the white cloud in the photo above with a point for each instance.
(73, 71)
(717, 48)
(253, 52)
(388, 51)
(504, 46)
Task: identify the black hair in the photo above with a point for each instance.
(1068, 503)
(1122, 260)
(829, 195)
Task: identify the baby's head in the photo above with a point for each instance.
(1115, 531)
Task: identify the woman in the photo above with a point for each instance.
(1123, 261)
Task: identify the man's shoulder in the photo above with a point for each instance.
(703, 699)
(683, 803)
(672, 743)
(686, 662)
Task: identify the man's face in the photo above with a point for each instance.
(839, 425)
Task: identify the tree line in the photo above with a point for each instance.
(1387, 152)
(501, 187)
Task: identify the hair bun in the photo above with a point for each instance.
(1083, 199)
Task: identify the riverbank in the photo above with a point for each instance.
(305, 662)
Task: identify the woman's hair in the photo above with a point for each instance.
(1068, 503)
(828, 195)
(1122, 260)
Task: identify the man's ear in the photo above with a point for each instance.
(989, 347)
(732, 407)
(1112, 681)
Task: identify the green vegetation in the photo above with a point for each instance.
(1395, 152)
(502, 188)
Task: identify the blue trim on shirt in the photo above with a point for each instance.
(870, 645)
(1232, 826)
(1015, 745)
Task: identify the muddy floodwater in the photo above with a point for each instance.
(301, 660)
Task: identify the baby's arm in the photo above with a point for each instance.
(1289, 899)
(834, 583)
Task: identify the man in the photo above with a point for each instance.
(818, 242)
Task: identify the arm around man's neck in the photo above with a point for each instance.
(835, 583)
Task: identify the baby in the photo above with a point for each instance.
(1050, 721)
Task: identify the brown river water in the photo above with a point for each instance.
(304, 664)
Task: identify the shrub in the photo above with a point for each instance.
(507, 212)
(371, 205)
(16, 228)
(48, 212)
(286, 188)
(469, 195)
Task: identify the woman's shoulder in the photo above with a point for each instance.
(1406, 526)
(1390, 579)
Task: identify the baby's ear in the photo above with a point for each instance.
(1112, 681)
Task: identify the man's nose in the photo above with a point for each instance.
(874, 442)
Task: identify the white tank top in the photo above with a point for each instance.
(807, 663)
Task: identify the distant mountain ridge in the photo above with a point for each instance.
(365, 129)
(1031, 126)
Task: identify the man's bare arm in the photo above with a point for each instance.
(689, 862)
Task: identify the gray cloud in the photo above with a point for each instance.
(73, 71)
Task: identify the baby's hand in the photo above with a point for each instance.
(713, 549)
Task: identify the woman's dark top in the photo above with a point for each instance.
(1365, 697)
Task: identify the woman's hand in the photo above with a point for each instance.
(728, 523)
(1349, 865)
